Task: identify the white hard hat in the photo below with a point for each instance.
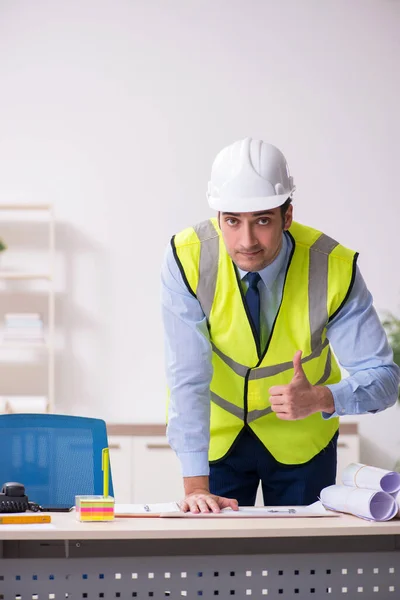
(247, 176)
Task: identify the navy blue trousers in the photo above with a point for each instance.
(238, 475)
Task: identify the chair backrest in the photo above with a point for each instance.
(55, 457)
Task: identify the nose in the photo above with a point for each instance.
(249, 239)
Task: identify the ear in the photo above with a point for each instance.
(288, 217)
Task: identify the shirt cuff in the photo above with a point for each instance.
(340, 392)
(194, 464)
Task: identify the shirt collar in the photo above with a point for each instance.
(271, 271)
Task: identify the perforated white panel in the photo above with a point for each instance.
(333, 576)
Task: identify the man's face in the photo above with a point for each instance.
(253, 240)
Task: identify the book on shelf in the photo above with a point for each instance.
(23, 327)
(22, 335)
(29, 316)
(23, 404)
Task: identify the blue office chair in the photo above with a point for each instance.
(55, 457)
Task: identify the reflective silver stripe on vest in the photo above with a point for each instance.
(327, 370)
(228, 406)
(318, 287)
(208, 267)
(242, 370)
(235, 366)
(275, 369)
(237, 411)
(253, 415)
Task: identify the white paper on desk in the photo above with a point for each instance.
(314, 510)
(133, 510)
(371, 478)
(367, 504)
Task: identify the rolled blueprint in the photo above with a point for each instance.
(367, 504)
(371, 478)
(396, 496)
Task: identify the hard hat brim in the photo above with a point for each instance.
(241, 205)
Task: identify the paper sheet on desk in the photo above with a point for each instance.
(145, 510)
(313, 510)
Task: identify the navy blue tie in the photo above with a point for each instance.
(253, 300)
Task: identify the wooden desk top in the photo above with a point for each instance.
(66, 527)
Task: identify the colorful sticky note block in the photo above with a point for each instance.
(94, 508)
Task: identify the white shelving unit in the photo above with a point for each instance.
(4, 275)
(49, 345)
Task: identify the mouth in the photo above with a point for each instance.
(251, 253)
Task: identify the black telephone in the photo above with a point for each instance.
(13, 499)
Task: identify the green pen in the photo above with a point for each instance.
(105, 467)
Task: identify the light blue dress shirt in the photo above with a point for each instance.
(356, 336)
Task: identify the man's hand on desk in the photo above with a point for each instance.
(300, 398)
(198, 498)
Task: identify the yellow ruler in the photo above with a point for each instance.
(22, 519)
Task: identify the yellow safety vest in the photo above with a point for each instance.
(319, 278)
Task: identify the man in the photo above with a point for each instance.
(253, 305)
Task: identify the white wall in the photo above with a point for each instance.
(114, 110)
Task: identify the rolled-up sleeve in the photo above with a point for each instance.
(188, 370)
(360, 344)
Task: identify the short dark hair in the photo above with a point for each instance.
(285, 206)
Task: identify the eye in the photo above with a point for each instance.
(264, 221)
(231, 221)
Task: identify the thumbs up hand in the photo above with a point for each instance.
(299, 375)
(300, 399)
